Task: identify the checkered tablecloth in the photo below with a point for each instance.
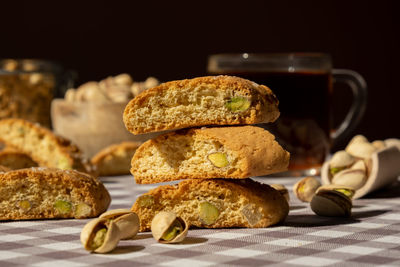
(370, 238)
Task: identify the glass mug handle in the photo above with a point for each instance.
(359, 88)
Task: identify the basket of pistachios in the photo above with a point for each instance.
(364, 166)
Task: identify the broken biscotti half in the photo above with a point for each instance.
(42, 145)
(214, 203)
(228, 152)
(211, 100)
(115, 159)
(16, 160)
(44, 193)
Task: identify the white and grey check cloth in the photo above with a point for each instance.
(370, 238)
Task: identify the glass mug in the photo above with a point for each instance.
(303, 84)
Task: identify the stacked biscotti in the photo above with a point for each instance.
(212, 146)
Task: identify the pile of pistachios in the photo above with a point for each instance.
(352, 166)
(103, 234)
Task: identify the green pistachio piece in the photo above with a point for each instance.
(24, 205)
(346, 192)
(64, 164)
(208, 213)
(174, 230)
(218, 159)
(237, 104)
(146, 201)
(98, 239)
(63, 206)
(334, 170)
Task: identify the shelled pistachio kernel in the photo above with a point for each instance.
(238, 104)
(218, 159)
(82, 210)
(167, 227)
(24, 205)
(64, 164)
(305, 188)
(145, 201)
(98, 239)
(208, 213)
(63, 206)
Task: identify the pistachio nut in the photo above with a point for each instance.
(360, 149)
(100, 235)
(348, 191)
(82, 210)
(252, 215)
(145, 201)
(331, 203)
(340, 160)
(126, 220)
(208, 213)
(378, 144)
(218, 159)
(305, 188)
(359, 165)
(282, 190)
(166, 227)
(238, 104)
(351, 178)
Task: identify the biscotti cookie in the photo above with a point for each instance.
(229, 152)
(115, 159)
(211, 100)
(44, 193)
(42, 145)
(214, 203)
(16, 160)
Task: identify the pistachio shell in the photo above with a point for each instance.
(351, 178)
(327, 206)
(111, 237)
(360, 149)
(162, 222)
(359, 165)
(341, 159)
(348, 191)
(282, 190)
(126, 220)
(392, 142)
(305, 188)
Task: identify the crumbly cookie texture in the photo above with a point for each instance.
(214, 203)
(229, 152)
(115, 159)
(44, 193)
(210, 100)
(42, 145)
(15, 160)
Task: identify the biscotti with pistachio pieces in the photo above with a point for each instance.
(45, 193)
(214, 203)
(42, 145)
(115, 159)
(210, 100)
(200, 153)
(16, 160)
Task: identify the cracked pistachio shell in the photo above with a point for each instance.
(341, 159)
(348, 191)
(378, 144)
(111, 238)
(392, 142)
(305, 188)
(126, 220)
(331, 203)
(360, 149)
(359, 165)
(351, 178)
(162, 221)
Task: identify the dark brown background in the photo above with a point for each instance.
(171, 40)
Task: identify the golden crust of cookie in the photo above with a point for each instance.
(184, 154)
(198, 102)
(16, 160)
(44, 193)
(240, 203)
(42, 145)
(115, 159)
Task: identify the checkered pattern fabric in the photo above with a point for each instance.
(371, 237)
